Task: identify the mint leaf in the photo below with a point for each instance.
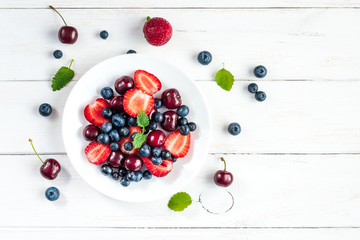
(139, 139)
(224, 79)
(179, 201)
(63, 76)
(142, 119)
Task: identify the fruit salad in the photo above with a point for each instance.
(136, 131)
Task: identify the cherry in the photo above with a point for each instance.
(152, 114)
(223, 178)
(116, 159)
(66, 34)
(123, 84)
(91, 132)
(156, 138)
(50, 168)
(171, 98)
(170, 121)
(133, 163)
(116, 103)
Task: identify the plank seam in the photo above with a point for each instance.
(175, 228)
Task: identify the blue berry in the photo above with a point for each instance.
(234, 129)
(204, 57)
(125, 115)
(103, 138)
(156, 152)
(145, 150)
(104, 34)
(114, 146)
(132, 121)
(57, 54)
(106, 170)
(260, 71)
(132, 137)
(192, 126)
(45, 109)
(183, 111)
(130, 51)
(107, 113)
(184, 130)
(114, 135)
(174, 159)
(128, 146)
(147, 175)
(156, 160)
(260, 96)
(122, 172)
(182, 121)
(106, 127)
(131, 176)
(118, 120)
(147, 129)
(152, 125)
(253, 87)
(52, 193)
(124, 182)
(138, 176)
(165, 154)
(107, 93)
(115, 176)
(158, 117)
(124, 131)
(158, 103)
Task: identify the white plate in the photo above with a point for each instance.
(87, 90)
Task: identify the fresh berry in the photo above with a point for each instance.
(66, 34)
(165, 154)
(152, 125)
(177, 144)
(45, 109)
(114, 135)
(260, 71)
(204, 57)
(128, 146)
(93, 112)
(52, 194)
(133, 163)
(138, 176)
(147, 130)
(158, 103)
(147, 82)
(136, 100)
(131, 176)
(158, 170)
(124, 131)
(57, 54)
(116, 103)
(107, 93)
(174, 159)
(116, 159)
(260, 96)
(115, 176)
(151, 115)
(118, 120)
(253, 87)
(130, 51)
(123, 140)
(103, 138)
(156, 160)
(124, 182)
(97, 153)
(170, 121)
(132, 137)
(157, 31)
(106, 127)
(158, 117)
(223, 178)
(114, 146)
(171, 98)
(156, 152)
(183, 111)
(107, 113)
(156, 138)
(104, 34)
(122, 172)
(91, 132)
(106, 170)
(147, 175)
(234, 128)
(184, 130)
(132, 121)
(192, 126)
(145, 150)
(123, 84)
(182, 121)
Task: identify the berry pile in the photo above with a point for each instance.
(127, 130)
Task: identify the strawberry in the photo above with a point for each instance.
(158, 170)
(93, 111)
(147, 82)
(123, 140)
(97, 153)
(136, 100)
(157, 31)
(177, 144)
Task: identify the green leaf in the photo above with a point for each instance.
(142, 119)
(224, 79)
(139, 139)
(63, 76)
(179, 201)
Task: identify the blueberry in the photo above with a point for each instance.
(107, 113)
(182, 121)
(184, 130)
(114, 146)
(132, 121)
(124, 182)
(145, 150)
(234, 128)
(106, 127)
(115, 176)
(158, 117)
(114, 135)
(156, 160)
(152, 125)
(156, 152)
(131, 176)
(165, 154)
(52, 193)
(253, 87)
(260, 96)
(45, 109)
(104, 34)
(183, 111)
(192, 126)
(128, 146)
(138, 176)
(103, 138)
(158, 103)
(147, 175)
(204, 57)
(147, 129)
(125, 115)
(174, 159)
(106, 170)
(260, 71)
(132, 137)
(57, 54)
(118, 120)
(124, 131)
(122, 172)
(107, 93)
(130, 51)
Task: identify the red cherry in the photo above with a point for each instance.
(67, 34)
(116, 103)
(116, 159)
(152, 114)
(123, 84)
(91, 132)
(223, 178)
(170, 121)
(156, 138)
(133, 163)
(171, 98)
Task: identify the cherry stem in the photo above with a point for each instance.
(58, 13)
(222, 159)
(71, 63)
(32, 145)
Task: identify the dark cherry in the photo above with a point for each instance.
(223, 178)
(91, 132)
(152, 113)
(156, 138)
(133, 163)
(66, 34)
(116, 159)
(171, 98)
(116, 103)
(123, 84)
(170, 121)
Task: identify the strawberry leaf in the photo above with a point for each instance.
(63, 76)
(224, 79)
(179, 201)
(139, 139)
(142, 119)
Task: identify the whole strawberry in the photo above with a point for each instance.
(157, 31)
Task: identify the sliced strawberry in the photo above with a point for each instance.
(123, 140)
(177, 144)
(158, 170)
(147, 82)
(97, 153)
(136, 100)
(93, 111)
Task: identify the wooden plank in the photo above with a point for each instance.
(297, 117)
(292, 43)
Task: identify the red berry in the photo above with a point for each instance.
(136, 100)
(156, 138)
(147, 82)
(97, 153)
(133, 163)
(177, 144)
(158, 170)
(66, 34)
(116, 103)
(93, 112)
(223, 178)
(123, 84)
(116, 159)
(91, 132)
(157, 31)
(171, 98)
(170, 122)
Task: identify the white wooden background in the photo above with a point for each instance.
(296, 162)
